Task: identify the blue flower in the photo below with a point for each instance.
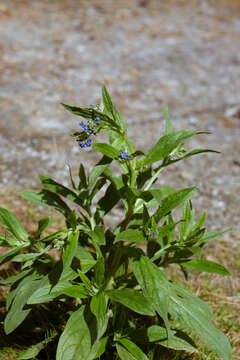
(83, 126)
(89, 142)
(123, 155)
(97, 118)
(84, 144)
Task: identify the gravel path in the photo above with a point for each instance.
(149, 53)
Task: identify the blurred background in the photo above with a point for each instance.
(148, 52)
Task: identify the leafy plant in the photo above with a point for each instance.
(109, 285)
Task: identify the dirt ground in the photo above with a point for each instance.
(181, 53)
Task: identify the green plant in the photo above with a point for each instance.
(109, 285)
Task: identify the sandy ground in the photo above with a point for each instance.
(149, 52)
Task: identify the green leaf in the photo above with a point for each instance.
(207, 236)
(46, 197)
(165, 146)
(75, 343)
(98, 307)
(168, 127)
(17, 314)
(131, 235)
(84, 112)
(51, 285)
(70, 249)
(192, 153)
(162, 192)
(195, 315)
(154, 285)
(206, 265)
(99, 272)
(34, 350)
(176, 343)
(123, 353)
(98, 348)
(187, 217)
(132, 299)
(11, 223)
(57, 188)
(111, 110)
(108, 201)
(42, 225)
(98, 235)
(8, 254)
(106, 149)
(82, 178)
(173, 200)
(192, 313)
(98, 170)
(58, 235)
(86, 259)
(10, 280)
(47, 292)
(157, 334)
(75, 291)
(133, 349)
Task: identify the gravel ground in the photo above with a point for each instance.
(181, 53)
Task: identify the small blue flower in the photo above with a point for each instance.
(90, 131)
(83, 126)
(81, 144)
(123, 155)
(97, 118)
(89, 142)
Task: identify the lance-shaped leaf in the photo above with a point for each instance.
(98, 307)
(173, 200)
(57, 188)
(106, 150)
(131, 235)
(84, 112)
(76, 341)
(154, 285)
(75, 291)
(192, 153)
(86, 259)
(70, 249)
(158, 334)
(51, 285)
(195, 315)
(17, 312)
(191, 312)
(165, 146)
(46, 197)
(111, 110)
(11, 223)
(7, 255)
(132, 349)
(206, 265)
(98, 170)
(132, 299)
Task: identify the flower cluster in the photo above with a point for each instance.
(85, 128)
(86, 143)
(84, 140)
